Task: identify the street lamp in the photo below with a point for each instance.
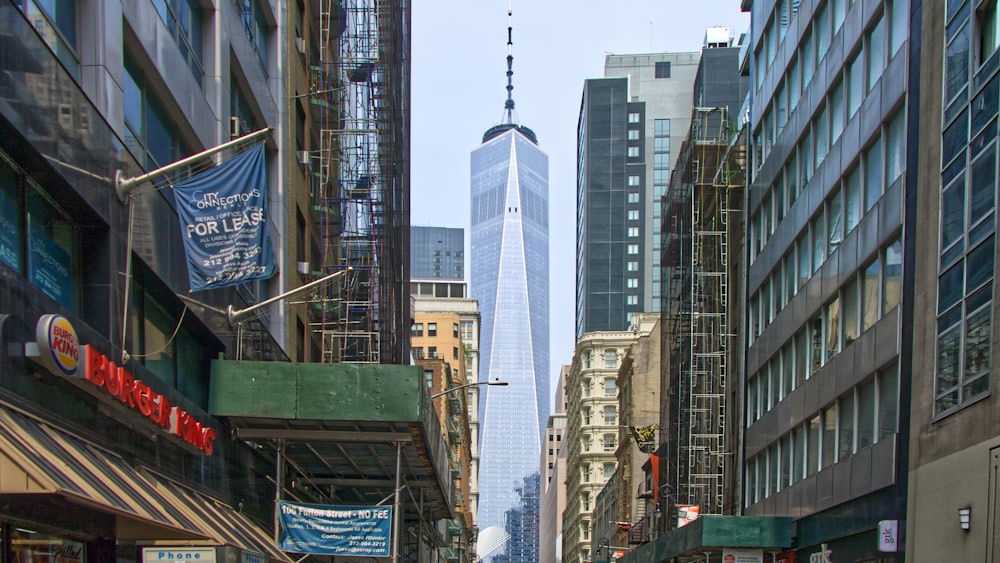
(472, 384)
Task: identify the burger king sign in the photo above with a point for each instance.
(58, 346)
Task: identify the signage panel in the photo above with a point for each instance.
(732, 555)
(164, 554)
(888, 531)
(223, 215)
(357, 531)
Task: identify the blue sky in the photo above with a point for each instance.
(459, 50)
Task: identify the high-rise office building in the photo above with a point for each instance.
(828, 343)
(437, 253)
(510, 277)
(628, 121)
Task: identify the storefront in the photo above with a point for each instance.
(70, 494)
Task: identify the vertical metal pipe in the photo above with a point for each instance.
(279, 480)
(395, 502)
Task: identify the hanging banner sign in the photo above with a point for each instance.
(223, 214)
(358, 531)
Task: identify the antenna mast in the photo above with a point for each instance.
(509, 104)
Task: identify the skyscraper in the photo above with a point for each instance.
(510, 277)
(627, 121)
(437, 253)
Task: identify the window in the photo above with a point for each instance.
(432, 329)
(873, 174)
(895, 149)
(662, 69)
(610, 386)
(432, 352)
(986, 23)
(661, 127)
(51, 261)
(183, 19)
(454, 330)
(610, 416)
(633, 152)
(633, 180)
(417, 329)
(633, 232)
(845, 426)
(586, 416)
(454, 352)
(888, 403)
(609, 444)
(610, 359)
(633, 134)
(633, 214)
(876, 52)
(633, 249)
(149, 133)
(609, 467)
(633, 266)
(661, 145)
(255, 26)
(870, 294)
(633, 117)
(632, 283)
(852, 193)
(855, 83)
(586, 385)
(55, 22)
(632, 300)
(466, 329)
(633, 197)
(866, 414)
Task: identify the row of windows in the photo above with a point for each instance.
(863, 69)
(873, 291)
(610, 385)
(607, 470)
(855, 195)
(967, 224)
(417, 329)
(432, 352)
(866, 414)
(609, 442)
(47, 251)
(610, 414)
(610, 361)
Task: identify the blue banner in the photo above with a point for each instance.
(223, 213)
(358, 531)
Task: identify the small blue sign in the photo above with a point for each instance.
(357, 531)
(49, 267)
(223, 214)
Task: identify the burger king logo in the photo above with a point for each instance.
(58, 345)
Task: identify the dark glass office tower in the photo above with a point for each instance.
(437, 253)
(510, 277)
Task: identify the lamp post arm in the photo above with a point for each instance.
(466, 385)
(234, 316)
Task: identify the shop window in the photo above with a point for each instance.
(53, 243)
(11, 244)
(42, 548)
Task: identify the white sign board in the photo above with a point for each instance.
(731, 555)
(888, 536)
(164, 554)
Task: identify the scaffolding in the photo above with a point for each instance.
(702, 213)
(362, 190)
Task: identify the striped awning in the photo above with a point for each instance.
(36, 458)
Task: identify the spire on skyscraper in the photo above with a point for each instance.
(508, 107)
(509, 120)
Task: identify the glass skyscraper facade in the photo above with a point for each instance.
(510, 277)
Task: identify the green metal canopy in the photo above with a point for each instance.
(338, 426)
(712, 533)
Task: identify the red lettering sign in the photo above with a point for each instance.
(122, 385)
